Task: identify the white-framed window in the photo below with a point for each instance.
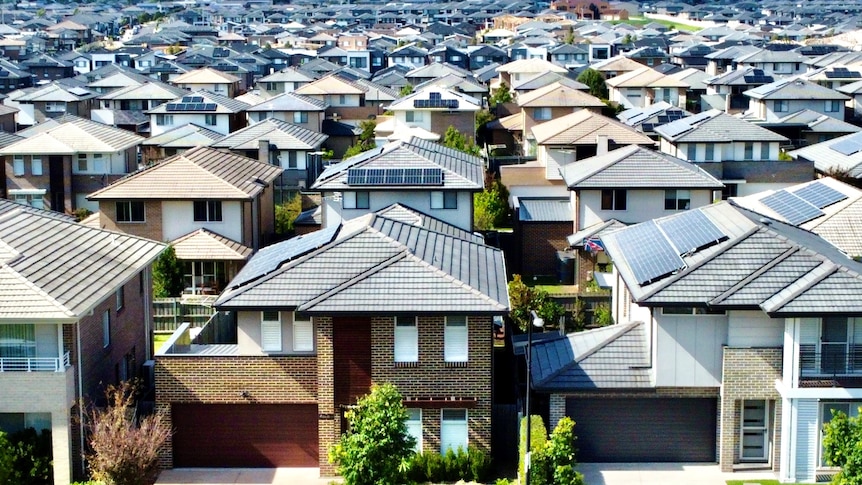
(677, 200)
(83, 163)
(413, 116)
(164, 120)
(342, 99)
(291, 160)
(303, 333)
(36, 165)
(781, 105)
(710, 152)
(831, 345)
(748, 151)
(444, 199)
(106, 328)
(687, 310)
(764, 151)
(614, 199)
(32, 197)
(120, 297)
(130, 211)
(210, 119)
(833, 106)
(55, 107)
(18, 165)
(406, 339)
(357, 200)
(270, 331)
(541, 114)
(453, 429)
(207, 211)
(414, 426)
(691, 151)
(300, 117)
(455, 346)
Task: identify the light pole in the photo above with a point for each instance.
(539, 323)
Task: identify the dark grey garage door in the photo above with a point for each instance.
(644, 429)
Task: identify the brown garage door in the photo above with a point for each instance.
(644, 429)
(245, 435)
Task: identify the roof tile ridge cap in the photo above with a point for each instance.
(820, 272)
(756, 274)
(38, 290)
(448, 276)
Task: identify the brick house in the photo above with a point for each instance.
(311, 334)
(433, 109)
(68, 332)
(541, 227)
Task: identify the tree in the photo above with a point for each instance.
(167, 274)
(377, 448)
(555, 462)
(524, 299)
(286, 213)
(366, 139)
(124, 451)
(457, 140)
(842, 447)
(500, 95)
(570, 35)
(595, 81)
(491, 207)
(7, 459)
(406, 90)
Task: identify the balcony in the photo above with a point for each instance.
(830, 364)
(34, 364)
(217, 337)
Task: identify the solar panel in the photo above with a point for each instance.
(272, 257)
(848, 146)
(649, 253)
(209, 107)
(690, 231)
(675, 128)
(395, 176)
(819, 194)
(792, 208)
(436, 103)
(193, 99)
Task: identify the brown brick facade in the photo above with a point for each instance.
(151, 228)
(748, 373)
(539, 243)
(463, 121)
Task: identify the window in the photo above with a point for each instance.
(780, 105)
(99, 164)
(210, 120)
(164, 120)
(55, 106)
(270, 331)
(830, 346)
(18, 165)
(83, 165)
(414, 426)
(356, 200)
(748, 152)
(342, 99)
(833, 106)
(687, 310)
(291, 159)
(613, 200)
(300, 117)
(18, 340)
(710, 152)
(406, 339)
(36, 165)
(677, 200)
(413, 116)
(764, 151)
(32, 197)
(541, 114)
(303, 333)
(271, 86)
(120, 297)
(691, 151)
(455, 339)
(106, 328)
(453, 429)
(444, 200)
(130, 211)
(207, 211)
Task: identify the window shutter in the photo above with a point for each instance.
(303, 335)
(455, 339)
(406, 340)
(453, 430)
(270, 332)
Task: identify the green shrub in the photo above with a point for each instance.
(430, 466)
(89, 482)
(451, 468)
(25, 457)
(480, 464)
(554, 463)
(502, 481)
(434, 467)
(538, 436)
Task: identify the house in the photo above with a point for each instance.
(646, 119)
(209, 79)
(53, 100)
(68, 332)
(125, 107)
(839, 156)
(203, 108)
(284, 81)
(175, 141)
(553, 101)
(433, 109)
(541, 225)
(346, 99)
(14, 77)
(56, 166)
(515, 72)
(642, 87)
(726, 91)
(409, 55)
(774, 62)
(46, 67)
(299, 358)
(429, 177)
(214, 207)
(780, 98)
(294, 108)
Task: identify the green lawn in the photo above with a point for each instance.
(640, 22)
(759, 482)
(159, 339)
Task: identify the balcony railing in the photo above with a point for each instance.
(830, 359)
(34, 364)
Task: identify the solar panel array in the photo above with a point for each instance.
(395, 176)
(272, 257)
(849, 145)
(691, 231)
(842, 73)
(192, 99)
(820, 194)
(757, 76)
(191, 106)
(436, 103)
(649, 252)
(794, 209)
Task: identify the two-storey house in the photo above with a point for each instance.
(293, 108)
(39, 103)
(209, 79)
(203, 108)
(779, 99)
(433, 109)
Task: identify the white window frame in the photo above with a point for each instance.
(270, 331)
(406, 339)
(450, 426)
(164, 120)
(36, 165)
(30, 197)
(303, 333)
(18, 165)
(833, 106)
(780, 106)
(414, 426)
(210, 119)
(691, 151)
(412, 116)
(212, 211)
(764, 151)
(618, 202)
(709, 152)
(106, 329)
(456, 339)
(360, 199)
(681, 199)
(300, 117)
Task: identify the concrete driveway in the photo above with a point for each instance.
(245, 476)
(663, 474)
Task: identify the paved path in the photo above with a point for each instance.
(245, 476)
(663, 474)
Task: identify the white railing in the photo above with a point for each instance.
(36, 364)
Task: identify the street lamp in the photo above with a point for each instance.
(538, 323)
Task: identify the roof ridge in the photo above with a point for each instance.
(354, 279)
(756, 274)
(819, 273)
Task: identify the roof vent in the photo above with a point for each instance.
(765, 221)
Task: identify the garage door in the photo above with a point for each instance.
(250, 435)
(644, 430)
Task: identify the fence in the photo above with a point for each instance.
(170, 313)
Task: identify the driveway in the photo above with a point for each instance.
(245, 476)
(663, 474)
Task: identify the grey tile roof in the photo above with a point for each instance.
(636, 167)
(826, 158)
(289, 102)
(613, 357)
(460, 170)
(184, 136)
(795, 89)
(714, 126)
(54, 268)
(224, 104)
(284, 135)
(380, 265)
(408, 215)
(544, 209)
(72, 135)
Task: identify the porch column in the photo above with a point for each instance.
(328, 420)
(61, 447)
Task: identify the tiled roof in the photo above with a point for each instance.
(582, 127)
(558, 95)
(795, 89)
(715, 127)
(224, 104)
(72, 135)
(150, 90)
(207, 245)
(199, 173)
(205, 75)
(289, 102)
(184, 136)
(284, 135)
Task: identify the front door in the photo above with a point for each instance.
(755, 431)
(351, 347)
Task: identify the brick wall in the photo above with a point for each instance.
(328, 422)
(151, 228)
(540, 242)
(463, 121)
(748, 373)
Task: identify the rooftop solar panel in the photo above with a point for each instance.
(819, 194)
(792, 208)
(690, 231)
(192, 99)
(395, 176)
(849, 145)
(648, 252)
